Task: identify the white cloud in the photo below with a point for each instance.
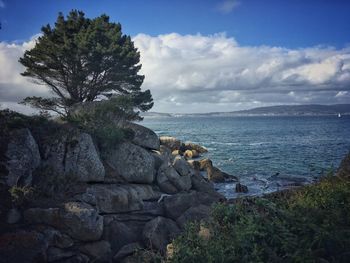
(195, 73)
(227, 6)
(2, 4)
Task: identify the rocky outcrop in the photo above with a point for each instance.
(143, 136)
(171, 182)
(170, 142)
(73, 154)
(132, 162)
(241, 188)
(196, 213)
(23, 157)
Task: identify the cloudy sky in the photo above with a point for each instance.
(208, 55)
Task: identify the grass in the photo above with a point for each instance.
(311, 224)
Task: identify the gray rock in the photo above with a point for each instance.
(99, 251)
(132, 162)
(144, 137)
(79, 220)
(114, 198)
(56, 238)
(23, 158)
(54, 254)
(169, 181)
(13, 216)
(177, 204)
(182, 167)
(201, 185)
(119, 234)
(74, 154)
(159, 232)
(127, 250)
(196, 213)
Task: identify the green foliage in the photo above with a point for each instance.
(80, 59)
(308, 225)
(20, 195)
(102, 119)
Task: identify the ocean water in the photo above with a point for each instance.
(266, 153)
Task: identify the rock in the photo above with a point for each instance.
(170, 142)
(229, 177)
(115, 198)
(177, 204)
(169, 251)
(55, 254)
(202, 185)
(189, 154)
(240, 188)
(119, 234)
(79, 220)
(99, 251)
(194, 164)
(196, 213)
(74, 154)
(170, 182)
(182, 167)
(143, 136)
(176, 152)
(13, 216)
(127, 250)
(215, 175)
(133, 163)
(78, 258)
(204, 164)
(23, 157)
(344, 168)
(195, 147)
(159, 232)
(56, 238)
(23, 246)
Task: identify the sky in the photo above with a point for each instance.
(205, 55)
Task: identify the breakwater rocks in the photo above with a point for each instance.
(66, 200)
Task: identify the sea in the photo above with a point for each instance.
(267, 153)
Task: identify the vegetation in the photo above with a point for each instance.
(82, 59)
(308, 225)
(21, 194)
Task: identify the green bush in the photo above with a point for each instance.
(21, 195)
(308, 225)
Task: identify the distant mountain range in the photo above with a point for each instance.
(280, 110)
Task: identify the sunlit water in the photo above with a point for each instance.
(266, 153)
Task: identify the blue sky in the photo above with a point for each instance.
(208, 55)
(289, 23)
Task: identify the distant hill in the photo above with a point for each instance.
(280, 110)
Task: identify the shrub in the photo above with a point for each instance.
(20, 195)
(309, 225)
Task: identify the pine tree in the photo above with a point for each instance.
(82, 59)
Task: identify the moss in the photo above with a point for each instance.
(308, 225)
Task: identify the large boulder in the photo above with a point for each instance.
(113, 198)
(79, 220)
(132, 162)
(73, 153)
(170, 181)
(177, 204)
(127, 250)
(159, 232)
(205, 163)
(143, 136)
(182, 167)
(22, 156)
(215, 175)
(171, 142)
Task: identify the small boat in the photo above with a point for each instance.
(339, 115)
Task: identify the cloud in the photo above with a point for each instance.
(196, 73)
(2, 4)
(227, 6)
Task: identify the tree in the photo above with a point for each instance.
(82, 59)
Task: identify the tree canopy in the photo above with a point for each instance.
(82, 59)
